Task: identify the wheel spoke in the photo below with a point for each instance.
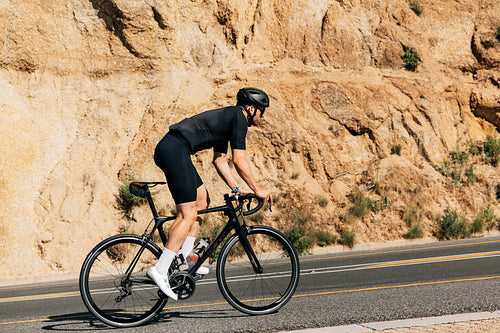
(258, 293)
(111, 296)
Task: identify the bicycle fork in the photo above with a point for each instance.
(242, 234)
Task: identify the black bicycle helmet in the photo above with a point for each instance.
(253, 96)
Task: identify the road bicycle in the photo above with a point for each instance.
(257, 267)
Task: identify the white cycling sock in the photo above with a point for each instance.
(187, 246)
(165, 261)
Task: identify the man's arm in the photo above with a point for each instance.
(243, 168)
(222, 167)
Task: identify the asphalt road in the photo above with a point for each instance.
(335, 289)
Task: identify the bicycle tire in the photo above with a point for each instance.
(105, 292)
(258, 293)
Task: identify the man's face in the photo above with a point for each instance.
(259, 115)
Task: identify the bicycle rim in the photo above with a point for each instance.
(105, 289)
(258, 293)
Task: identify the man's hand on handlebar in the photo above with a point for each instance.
(264, 194)
(244, 191)
(261, 194)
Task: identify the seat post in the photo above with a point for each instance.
(151, 204)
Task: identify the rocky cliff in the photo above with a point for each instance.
(87, 88)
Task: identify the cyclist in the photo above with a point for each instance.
(210, 129)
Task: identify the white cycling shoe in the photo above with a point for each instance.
(162, 282)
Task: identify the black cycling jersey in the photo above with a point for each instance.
(214, 128)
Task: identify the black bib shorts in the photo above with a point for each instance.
(173, 156)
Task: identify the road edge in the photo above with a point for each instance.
(403, 323)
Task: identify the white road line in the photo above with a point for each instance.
(313, 271)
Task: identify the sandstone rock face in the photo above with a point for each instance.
(87, 88)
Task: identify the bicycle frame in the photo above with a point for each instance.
(240, 229)
(233, 224)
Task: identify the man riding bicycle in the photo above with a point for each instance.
(210, 129)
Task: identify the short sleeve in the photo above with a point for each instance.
(239, 130)
(221, 148)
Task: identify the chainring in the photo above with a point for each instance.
(183, 284)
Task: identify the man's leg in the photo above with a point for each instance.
(186, 216)
(202, 202)
(186, 224)
(173, 156)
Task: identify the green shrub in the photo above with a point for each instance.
(488, 214)
(455, 167)
(126, 201)
(301, 219)
(444, 169)
(297, 233)
(485, 218)
(347, 238)
(460, 157)
(413, 217)
(491, 148)
(361, 204)
(474, 149)
(411, 59)
(381, 204)
(416, 7)
(323, 238)
(415, 232)
(451, 226)
(469, 173)
(460, 165)
(323, 201)
(477, 225)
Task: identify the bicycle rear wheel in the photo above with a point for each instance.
(116, 298)
(258, 292)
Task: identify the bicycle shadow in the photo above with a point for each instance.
(200, 314)
(84, 321)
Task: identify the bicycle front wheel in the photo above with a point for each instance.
(114, 285)
(264, 291)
